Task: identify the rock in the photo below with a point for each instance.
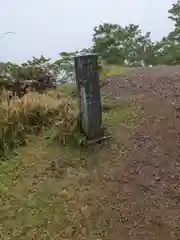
(158, 178)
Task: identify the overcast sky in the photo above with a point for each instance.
(51, 26)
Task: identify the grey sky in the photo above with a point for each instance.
(51, 26)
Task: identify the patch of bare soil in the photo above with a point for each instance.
(144, 190)
(161, 80)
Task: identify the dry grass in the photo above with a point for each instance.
(30, 114)
(55, 192)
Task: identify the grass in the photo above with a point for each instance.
(34, 112)
(113, 70)
(67, 90)
(31, 114)
(126, 114)
(49, 191)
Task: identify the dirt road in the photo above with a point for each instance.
(147, 184)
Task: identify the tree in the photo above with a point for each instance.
(168, 49)
(117, 44)
(64, 67)
(175, 14)
(32, 69)
(42, 61)
(107, 42)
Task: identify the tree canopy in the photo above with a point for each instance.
(116, 44)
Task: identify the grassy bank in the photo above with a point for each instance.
(54, 191)
(49, 191)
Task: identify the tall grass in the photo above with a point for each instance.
(30, 114)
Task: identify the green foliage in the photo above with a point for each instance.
(115, 45)
(129, 45)
(175, 14)
(118, 45)
(65, 67)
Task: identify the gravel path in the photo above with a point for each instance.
(148, 183)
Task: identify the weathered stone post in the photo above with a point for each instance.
(88, 86)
